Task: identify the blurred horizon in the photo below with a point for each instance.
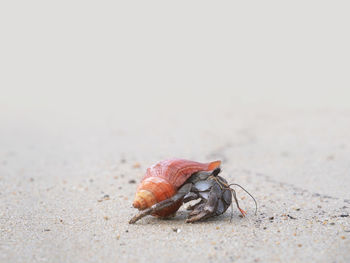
(85, 60)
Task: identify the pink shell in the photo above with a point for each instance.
(177, 171)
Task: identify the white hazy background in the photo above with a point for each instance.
(63, 61)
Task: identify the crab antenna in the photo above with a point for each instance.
(256, 204)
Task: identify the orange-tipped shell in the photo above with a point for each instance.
(144, 199)
(151, 191)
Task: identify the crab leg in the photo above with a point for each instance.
(185, 189)
(240, 209)
(206, 210)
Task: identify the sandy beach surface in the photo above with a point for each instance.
(92, 95)
(66, 188)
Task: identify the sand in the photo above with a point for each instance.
(66, 190)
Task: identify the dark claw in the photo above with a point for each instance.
(220, 208)
(190, 196)
(197, 208)
(192, 207)
(208, 208)
(227, 196)
(201, 215)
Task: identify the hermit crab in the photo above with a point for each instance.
(170, 183)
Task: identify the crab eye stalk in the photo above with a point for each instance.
(216, 172)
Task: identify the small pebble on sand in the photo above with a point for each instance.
(176, 230)
(136, 165)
